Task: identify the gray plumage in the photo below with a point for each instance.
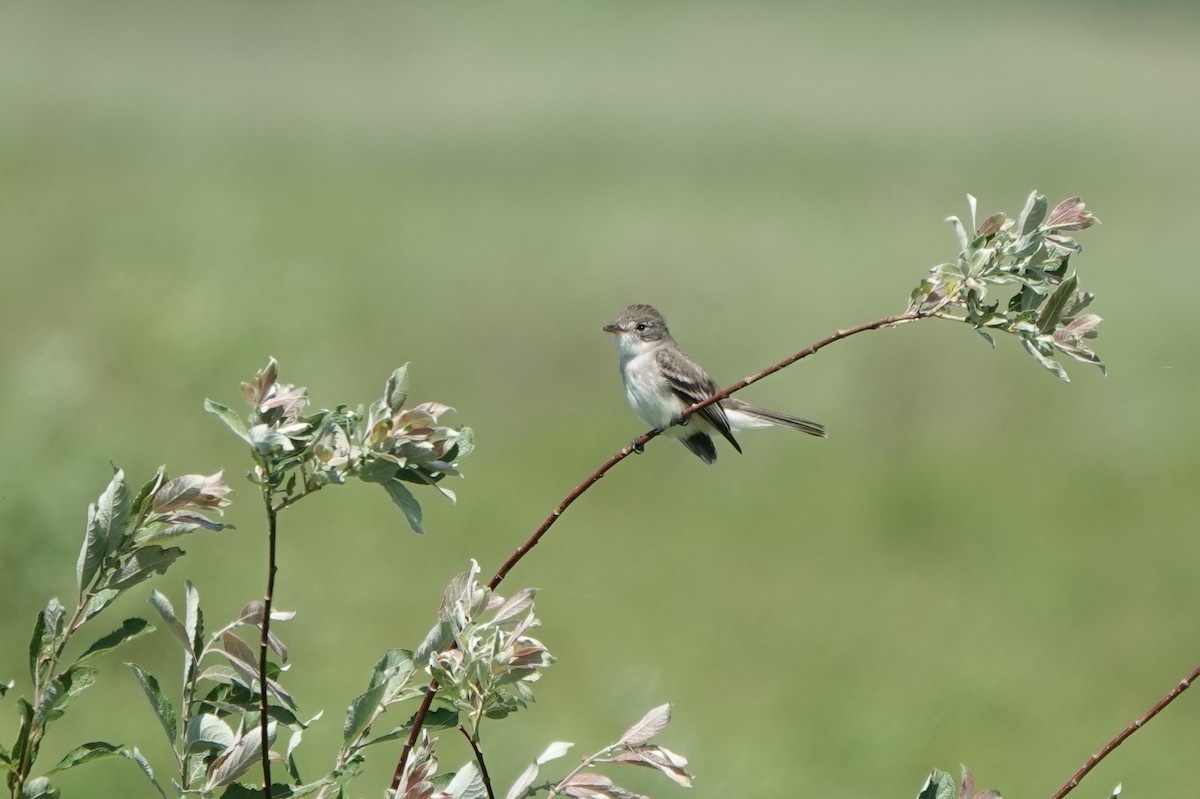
(661, 381)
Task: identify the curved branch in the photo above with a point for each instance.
(523, 550)
(1133, 727)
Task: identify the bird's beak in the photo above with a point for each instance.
(612, 328)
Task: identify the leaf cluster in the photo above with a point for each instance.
(297, 452)
(123, 546)
(218, 738)
(1029, 257)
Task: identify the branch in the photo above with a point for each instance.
(888, 321)
(272, 512)
(487, 781)
(1133, 727)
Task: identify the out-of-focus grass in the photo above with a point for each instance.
(981, 565)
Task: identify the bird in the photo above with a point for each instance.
(661, 380)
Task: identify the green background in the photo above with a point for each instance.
(982, 565)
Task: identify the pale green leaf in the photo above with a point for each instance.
(158, 701)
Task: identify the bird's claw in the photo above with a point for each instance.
(637, 446)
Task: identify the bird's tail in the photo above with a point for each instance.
(755, 416)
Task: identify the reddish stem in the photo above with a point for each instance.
(640, 441)
(1133, 727)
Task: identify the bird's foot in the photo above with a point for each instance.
(637, 446)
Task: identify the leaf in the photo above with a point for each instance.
(138, 758)
(59, 693)
(39, 788)
(91, 554)
(406, 502)
(143, 564)
(516, 604)
(112, 512)
(1052, 311)
(1033, 214)
(361, 711)
(85, 754)
(129, 629)
(467, 784)
(959, 232)
(158, 701)
(649, 726)
(939, 785)
(47, 632)
(1046, 363)
(464, 443)
(553, 752)
(521, 786)
(206, 732)
(160, 603)
(396, 391)
(193, 621)
(239, 758)
(436, 640)
(657, 757)
(139, 508)
(98, 601)
(231, 419)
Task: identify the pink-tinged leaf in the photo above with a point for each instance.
(515, 605)
(967, 786)
(657, 757)
(239, 758)
(991, 226)
(1070, 214)
(649, 726)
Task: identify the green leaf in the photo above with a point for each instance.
(91, 554)
(147, 491)
(1052, 311)
(85, 754)
(939, 785)
(112, 512)
(59, 693)
(129, 629)
(143, 564)
(441, 718)
(360, 712)
(468, 784)
(396, 391)
(406, 502)
(1046, 363)
(98, 601)
(137, 757)
(207, 732)
(166, 611)
(464, 445)
(1033, 214)
(158, 701)
(231, 419)
(47, 633)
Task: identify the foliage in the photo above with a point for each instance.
(1028, 255)
(122, 547)
(479, 660)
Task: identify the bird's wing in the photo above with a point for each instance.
(692, 384)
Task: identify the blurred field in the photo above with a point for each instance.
(981, 565)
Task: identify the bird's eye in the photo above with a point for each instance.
(641, 326)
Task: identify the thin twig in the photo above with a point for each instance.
(263, 705)
(487, 781)
(1133, 727)
(636, 445)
